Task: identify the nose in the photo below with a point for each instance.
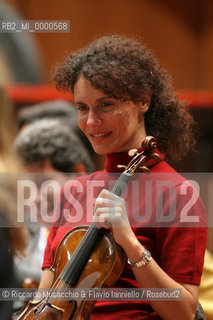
(94, 118)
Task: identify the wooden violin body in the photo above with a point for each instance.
(101, 270)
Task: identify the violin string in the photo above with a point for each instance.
(77, 254)
(60, 285)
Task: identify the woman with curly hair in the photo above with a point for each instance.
(122, 95)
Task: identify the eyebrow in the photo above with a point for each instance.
(98, 100)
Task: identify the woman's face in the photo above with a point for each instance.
(110, 125)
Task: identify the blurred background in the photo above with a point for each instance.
(179, 33)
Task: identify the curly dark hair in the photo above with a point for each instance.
(125, 69)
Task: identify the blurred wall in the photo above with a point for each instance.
(179, 33)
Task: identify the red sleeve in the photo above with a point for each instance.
(48, 253)
(48, 258)
(181, 248)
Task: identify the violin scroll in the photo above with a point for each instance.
(149, 144)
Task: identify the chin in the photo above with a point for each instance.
(102, 151)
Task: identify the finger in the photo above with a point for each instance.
(102, 221)
(110, 195)
(104, 202)
(116, 211)
(104, 224)
(107, 220)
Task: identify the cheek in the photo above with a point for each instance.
(81, 123)
(125, 121)
(119, 119)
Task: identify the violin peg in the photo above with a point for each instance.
(144, 169)
(132, 152)
(121, 167)
(156, 157)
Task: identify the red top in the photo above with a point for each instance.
(162, 211)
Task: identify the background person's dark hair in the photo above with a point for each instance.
(125, 69)
(54, 140)
(49, 109)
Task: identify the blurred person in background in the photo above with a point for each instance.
(12, 238)
(8, 157)
(51, 151)
(63, 110)
(206, 286)
(51, 145)
(55, 109)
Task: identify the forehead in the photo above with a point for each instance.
(83, 91)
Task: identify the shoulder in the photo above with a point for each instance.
(180, 194)
(163, 171)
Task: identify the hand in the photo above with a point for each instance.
(110, 212)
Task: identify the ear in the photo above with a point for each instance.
(145, 102)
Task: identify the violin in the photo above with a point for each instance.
(88, 257)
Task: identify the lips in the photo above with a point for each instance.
(99, 136)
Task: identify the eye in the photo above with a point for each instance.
(107, 104)
(81, 107)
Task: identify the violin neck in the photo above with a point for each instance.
(78, 260)
(121, 183)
